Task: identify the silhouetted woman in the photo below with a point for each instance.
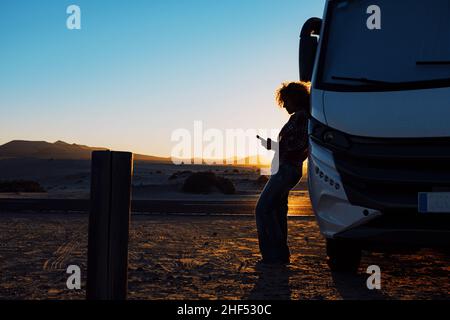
(291, 150)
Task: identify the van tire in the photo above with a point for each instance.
(343, 256)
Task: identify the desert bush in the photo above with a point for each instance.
(173, 176)
(200, 182)
(226, 186)
(20, 186)
(179, 174)
(206, 182)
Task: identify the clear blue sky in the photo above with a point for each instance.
(139, 69)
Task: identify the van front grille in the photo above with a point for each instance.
(388, 174)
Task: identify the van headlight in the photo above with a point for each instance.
(327, 136)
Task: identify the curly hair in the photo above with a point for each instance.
(297, 90)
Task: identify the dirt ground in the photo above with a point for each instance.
(175, 257)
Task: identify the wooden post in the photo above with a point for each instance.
(109, 220)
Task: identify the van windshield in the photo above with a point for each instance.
(393, 42)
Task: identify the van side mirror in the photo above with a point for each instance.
(308, 47)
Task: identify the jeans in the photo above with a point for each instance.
(272, 210)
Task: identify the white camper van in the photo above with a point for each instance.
(379, 165)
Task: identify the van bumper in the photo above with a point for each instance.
(339, 218)
(401, 229)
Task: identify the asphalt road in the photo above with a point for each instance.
(299, 206)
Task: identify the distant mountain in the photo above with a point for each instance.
(58, 150)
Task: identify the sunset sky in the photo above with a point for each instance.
(137, 70)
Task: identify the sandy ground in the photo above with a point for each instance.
(174, 257)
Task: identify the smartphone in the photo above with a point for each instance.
(269, 142)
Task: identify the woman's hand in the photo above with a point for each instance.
(269, 144)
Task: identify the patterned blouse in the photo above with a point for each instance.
(293, 139)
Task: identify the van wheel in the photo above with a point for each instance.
(343, 256)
